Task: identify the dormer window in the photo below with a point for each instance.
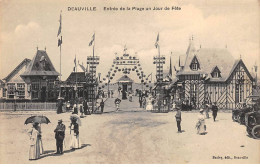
(216, 73)
(194, 64)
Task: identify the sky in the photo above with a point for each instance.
(28, 24)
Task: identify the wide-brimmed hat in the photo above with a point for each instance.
(201, 110)
(60, 120)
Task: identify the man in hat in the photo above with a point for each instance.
(59, 136)
(214, 111)
(102, 104)
(178, 119)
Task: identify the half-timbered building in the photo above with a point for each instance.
(212, 75)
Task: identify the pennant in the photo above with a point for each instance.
(157, 41)
(60, 41)
(149, 75)
(170, 72)
(92, 40)
(179, 61)
(125, 48)
(59, 31)
(75, 61)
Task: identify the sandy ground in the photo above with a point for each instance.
(131, 136)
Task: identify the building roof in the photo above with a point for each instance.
(80, 77)
(124, 79)
(80, 68)
(40, 65)
(25, 62)
(208, 60)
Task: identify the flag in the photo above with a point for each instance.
(149, 75)
(92, 40)
(175, 68)
(170, 72)
(74, 69)
(125, 48)
(75, 61)
(157, 41)
(59, 31)
(179, 61)
(60, 41)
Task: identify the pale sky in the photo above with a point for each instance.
(26, 24)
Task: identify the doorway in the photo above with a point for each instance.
(124, 91)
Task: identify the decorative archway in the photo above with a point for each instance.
(126, 64)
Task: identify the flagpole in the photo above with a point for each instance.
(76, 78)
(60, 70)
(93, 74)
(159, 57)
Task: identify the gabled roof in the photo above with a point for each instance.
(195, 61)
(25, 62)
(80, 68)
(80, 77)
(208, 59)
(36, 66)
(237, 62)
(215, 69)
(124, 78)
(1, 83)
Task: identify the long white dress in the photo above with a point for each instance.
(149, 105)
(201, 121)
(75, 142)
(34, 150)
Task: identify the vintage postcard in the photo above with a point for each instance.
(129, 82)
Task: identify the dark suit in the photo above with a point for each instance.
(59, 136)
(214, 111)
(102, 104)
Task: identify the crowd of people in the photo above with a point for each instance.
(35, 134)
(146, 101)
(201, 124)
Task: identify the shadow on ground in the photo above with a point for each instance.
(49, 153)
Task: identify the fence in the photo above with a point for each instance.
(163, 109)
(27, 106)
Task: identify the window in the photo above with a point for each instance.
(21, 89)
(35, 86)
(4, 92)
(215, 73)
(194, 64)
(10, 90)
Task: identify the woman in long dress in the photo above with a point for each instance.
(39, 129)
(201, 126)
(75, 142)
(34, 150)
(149, 105)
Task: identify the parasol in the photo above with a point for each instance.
(39, 119)
(75, 117)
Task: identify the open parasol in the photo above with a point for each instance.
(75, 117)
(39, 119)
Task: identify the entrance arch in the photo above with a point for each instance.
(126, 64)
